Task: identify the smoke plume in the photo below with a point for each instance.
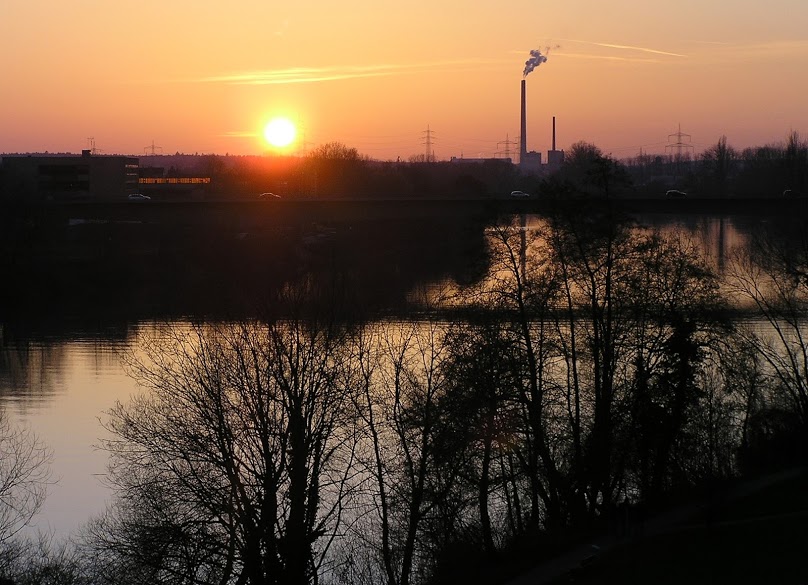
(536, 59)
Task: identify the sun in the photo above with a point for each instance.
(280, 132)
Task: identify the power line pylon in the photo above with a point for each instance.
(508, 143)
(152, 148)
(428, 142)
(679, 146)
(680, 143)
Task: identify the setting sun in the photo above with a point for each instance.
(280, 132)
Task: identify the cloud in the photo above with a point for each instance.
(772, 48)
(296, 75)
(239, 134)
(320, 74)
(626, 48)
(721, 53)
(611, 58)
(703, 42)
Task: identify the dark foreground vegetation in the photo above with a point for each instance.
(589, 375)
(759, 538)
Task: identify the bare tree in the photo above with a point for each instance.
(771, 278)
(525, 285)
(24, 477)
(234, 466)
(719, 162)
(410, 461)
(41, 561)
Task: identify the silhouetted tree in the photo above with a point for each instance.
(334, 169)
(483, 416)
(412, 467)
(772, 277)
(592, 173)
(335, 151)
(796, 163)
(24, 477)
(233, 467)
(719, 163)
(524, 285)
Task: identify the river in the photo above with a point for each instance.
(76, 300)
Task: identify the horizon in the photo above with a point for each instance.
(194, 78)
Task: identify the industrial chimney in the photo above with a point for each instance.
(553, 132)
(555, 158)
(523, 130)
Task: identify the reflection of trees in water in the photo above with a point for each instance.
(715, 236)
(30, 372)
(33, 370)
(771, 275)
(100, 273)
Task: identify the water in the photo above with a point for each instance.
(64, 330)
(60, 389)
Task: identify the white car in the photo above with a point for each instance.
(519, 194)
(139, 197)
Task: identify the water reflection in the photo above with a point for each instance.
(77, 298)
(30, 373)
(99, 278)
(715, 236)
(96, 284)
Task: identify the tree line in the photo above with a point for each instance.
(593, 370)
(768, 171)
(334, 170)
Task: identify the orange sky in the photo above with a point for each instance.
(205, 76)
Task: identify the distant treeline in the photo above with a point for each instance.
(337, 170)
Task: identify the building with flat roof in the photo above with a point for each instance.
(69, 177)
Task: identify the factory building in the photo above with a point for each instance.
(69, 177)
(530, 161)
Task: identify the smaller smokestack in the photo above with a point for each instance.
(553, 132)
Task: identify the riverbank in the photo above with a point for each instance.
(748, 532)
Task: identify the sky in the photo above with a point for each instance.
(206, 76)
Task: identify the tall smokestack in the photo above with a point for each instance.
(523, 130)
(536, 59)
(553, 132)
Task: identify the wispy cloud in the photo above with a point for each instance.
(703, 42)
(320, 74)
(239, 134)
(773, 48)
(626, 47)
(611, 58)
(714, 53)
